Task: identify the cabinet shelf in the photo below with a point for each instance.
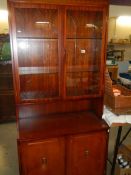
(95, 38)
(39, 95)
(74, 38)
(5, 62)
(53, 70)
(36, 38)
(42, 38)
(37, 70)
(111, 44)
(6, 75)
(88, 92)
(6, 92)
(83, 68)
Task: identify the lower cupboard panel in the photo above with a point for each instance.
(44, 157)
(87, 154)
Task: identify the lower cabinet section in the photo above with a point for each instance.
(73, 155)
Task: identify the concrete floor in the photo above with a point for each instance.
(8, 148)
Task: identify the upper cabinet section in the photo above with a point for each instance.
(58, 49)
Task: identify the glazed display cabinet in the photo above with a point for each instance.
(58, 55)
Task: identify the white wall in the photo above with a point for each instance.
(3, 4)
(118, 10)
(3, 24)
(116, 31)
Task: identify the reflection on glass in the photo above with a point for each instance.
(83, 52)
(37, 43)
(42, 23)
(23, 45)
(5, 51)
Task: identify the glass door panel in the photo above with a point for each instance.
(37, 49)
(84, 24)
(83, 52)
(33, 22)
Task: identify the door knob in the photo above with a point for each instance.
(44, 160)
(86, 153)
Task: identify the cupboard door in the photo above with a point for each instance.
(44, 157)
(87, 154)
(37, 42)
(83, 51)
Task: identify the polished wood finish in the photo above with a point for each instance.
(50, 155)
(64, 2)
(59, 124)
(58, 50)
(34, 110)
(84, 157)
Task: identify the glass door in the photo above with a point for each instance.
(83, 52)
(37, 50)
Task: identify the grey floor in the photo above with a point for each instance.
(8, 148)
(112, 139)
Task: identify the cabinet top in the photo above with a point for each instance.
(60, 125)
(63, 2)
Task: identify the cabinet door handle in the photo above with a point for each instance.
(44, 160)
(86, 153)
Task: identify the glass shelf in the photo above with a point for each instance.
(83, 38)
(39, 86)
(35, 38)
(82, 68)
(82, 83)
(37, 70)
(38, 94)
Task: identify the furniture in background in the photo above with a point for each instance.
(113, 71)
(117, 97)
(124, 73)
(7, 99)
(115, 54)
(58, 67)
